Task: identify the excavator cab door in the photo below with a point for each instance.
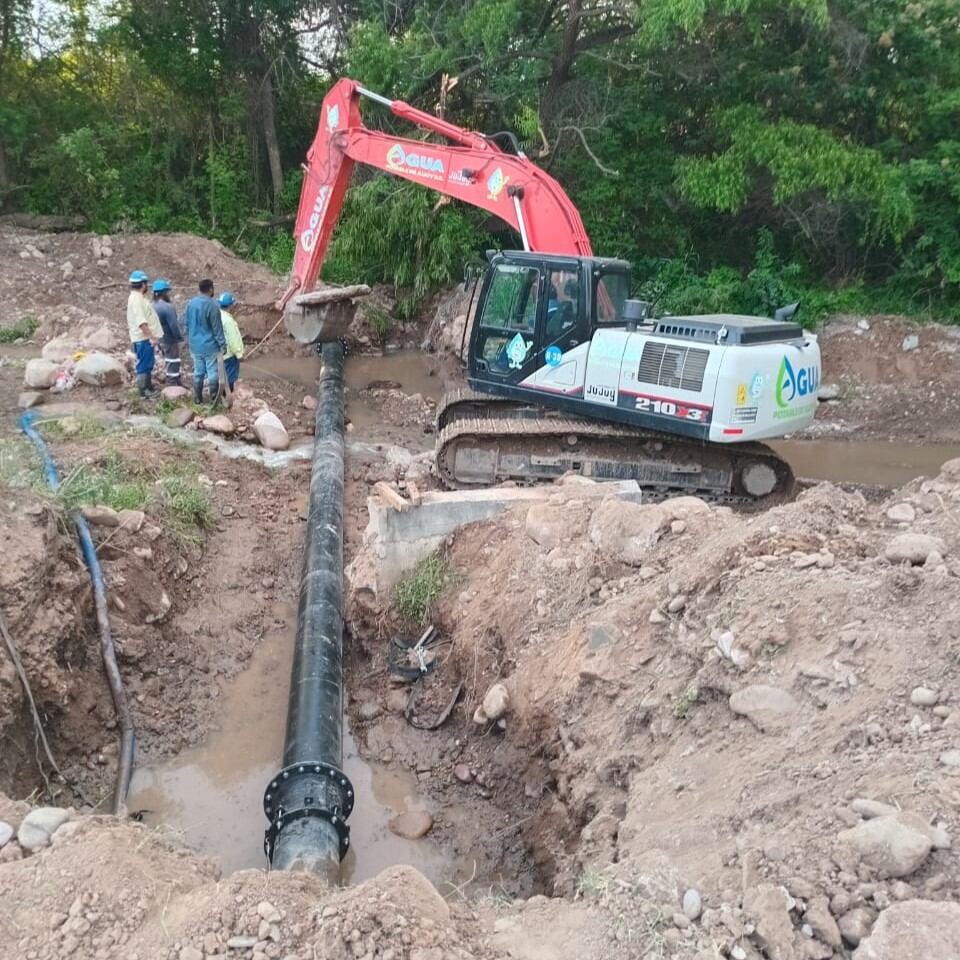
(527, 306)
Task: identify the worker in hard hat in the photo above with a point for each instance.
(145, 330)
(172, 335)
(207, 343)
(234, 352)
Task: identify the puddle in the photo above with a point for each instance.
(864, 461)
(415, 372)
(212, 795)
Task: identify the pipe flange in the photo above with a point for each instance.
(272, 797)
(286, 817)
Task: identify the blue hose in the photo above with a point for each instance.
(107, 651)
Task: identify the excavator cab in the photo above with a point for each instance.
(536, 308)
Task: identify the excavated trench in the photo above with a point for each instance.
(211, 795)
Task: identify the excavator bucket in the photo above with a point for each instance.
(323, 315)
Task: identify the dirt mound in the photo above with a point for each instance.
(712, 699)
(68, 280)
(110, 889)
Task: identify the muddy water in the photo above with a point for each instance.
(876, 462)
(212, 795)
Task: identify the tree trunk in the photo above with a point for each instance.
(563, 61)
(269, 127)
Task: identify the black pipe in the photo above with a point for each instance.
(309, 800)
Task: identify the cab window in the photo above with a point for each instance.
(610, 292)
(511, 308)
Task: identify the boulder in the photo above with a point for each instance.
(30, 398)
(101, 516)
(102, 339)
(131, 520)
(179, 417)
(894, 845)
(60, 348)
(901, 513)
(627, 532)
(767, 708)
(218, 423)
(271, 432)
(412, 824)
(39, 826)
(913, 930)
(821, 921)
(99, 370)
(855, 924)
(174, 393)
(40, 374)
(496, 702)
(766, 906)
(914, 548)
(550, 524)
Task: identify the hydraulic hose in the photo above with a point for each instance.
(107, 651)
(309, 800)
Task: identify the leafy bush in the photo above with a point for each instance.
(416, 593)
(21, 329)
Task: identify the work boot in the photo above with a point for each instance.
(150, 388)
(142, 388)
(198, 391)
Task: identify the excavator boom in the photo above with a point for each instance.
(474, 169)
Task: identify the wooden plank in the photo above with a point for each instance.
(390, 496)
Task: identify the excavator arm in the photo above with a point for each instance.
(472, 169)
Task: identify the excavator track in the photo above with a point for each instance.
(485, 440)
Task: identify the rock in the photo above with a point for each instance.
(821, 921)
(131, 520)
(179, 417)
(40, 374)
(39, 825)
(241, 943)
(190, 953)
(766, 906)
(101, 516)
(60, 348)
(692, 904)
(950, 758)
(923, 697)
(871, 809)
(102, 339)
(412, 824)
(676, 603)
(6, 832)
(496, 702)
(271, 432)
(829, 391)
(10, 852)
(218, 423)
(913, 548)
(268, 912)
(890, 844)
(550, 524)
(768, 708)
(463, 773)
(910, 342)
(914, 930)
(627, 532)
(901, 513)
(658, 616)
(159, 608)
(681, 921)
(309, 402)
(30, 398)
(174, 393)
(397, 700)
(99, 370)
(855, 925)
(369, 710)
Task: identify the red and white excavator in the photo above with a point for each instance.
(566, 373)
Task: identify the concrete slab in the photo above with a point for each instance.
(396, 541)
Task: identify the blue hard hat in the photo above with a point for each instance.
(159, 286)
(138, 276)
(226, 299)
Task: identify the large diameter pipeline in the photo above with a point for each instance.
(309, 800)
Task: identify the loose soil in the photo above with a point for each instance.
(621, 775)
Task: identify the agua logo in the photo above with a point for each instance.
(398, 159)
(308, 239)
(792, 384)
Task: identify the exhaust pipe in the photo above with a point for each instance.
(309, 800)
